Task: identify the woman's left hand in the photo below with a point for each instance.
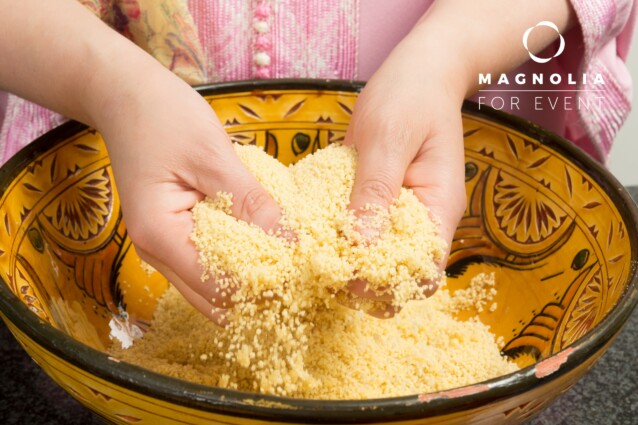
(407, 130)
(406, 124)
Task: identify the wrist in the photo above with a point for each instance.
(442, 62)
(485, 37)
(124, 76)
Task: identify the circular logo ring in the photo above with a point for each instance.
(548, 24)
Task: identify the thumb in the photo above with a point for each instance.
(378, 178)
(251, 202)
(381, 166)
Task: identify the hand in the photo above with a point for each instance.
(168, 150)
(407, 130)
(407, 123)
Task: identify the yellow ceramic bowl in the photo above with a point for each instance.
(557, 229)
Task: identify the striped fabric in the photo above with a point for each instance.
(226, 40)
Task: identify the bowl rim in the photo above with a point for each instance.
(273, 408)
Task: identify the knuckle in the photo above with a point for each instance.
(254, 201)
(378, 190)
(398, 132)
(256, 208)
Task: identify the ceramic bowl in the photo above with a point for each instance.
(557, 229)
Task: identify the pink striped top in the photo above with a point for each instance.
(226, 40)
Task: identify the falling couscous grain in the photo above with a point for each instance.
(288, 333)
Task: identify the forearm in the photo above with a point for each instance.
(58, 54)
(467, 37)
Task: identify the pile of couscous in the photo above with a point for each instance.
(288, 332)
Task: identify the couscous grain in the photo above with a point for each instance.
(288, 333)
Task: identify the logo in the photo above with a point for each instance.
(544, 91)
(548, 24)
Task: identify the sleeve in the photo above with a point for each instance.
(606, 28)
(164, 28)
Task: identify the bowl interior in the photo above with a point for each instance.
(559, 245)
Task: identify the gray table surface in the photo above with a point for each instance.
(608, 394)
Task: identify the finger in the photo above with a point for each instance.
(361, 288)
(429, 287)
(383, 311)
(221, 169)
(215, 314)
(163, 240)
(378, 177)
(378, 309)
(168, 238)
(437, 178)
(386, 144)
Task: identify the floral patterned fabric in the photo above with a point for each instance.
(164, 28)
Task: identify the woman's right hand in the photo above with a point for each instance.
(168, 151)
